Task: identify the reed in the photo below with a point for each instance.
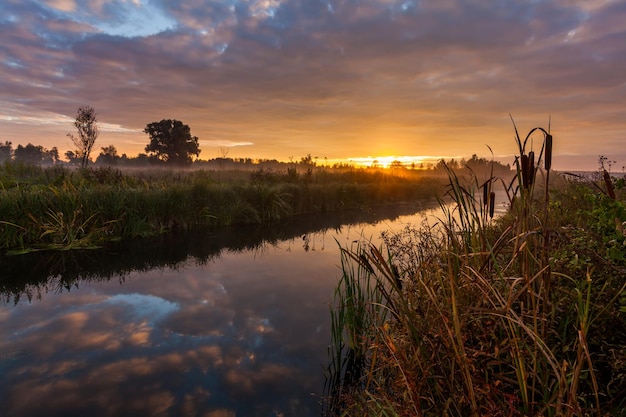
(484, 316)
(56, 208)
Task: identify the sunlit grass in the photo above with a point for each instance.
(515, 316)
(64, 208)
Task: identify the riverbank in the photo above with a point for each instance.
(523, 315)
(61, 208)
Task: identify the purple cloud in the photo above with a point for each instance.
(339, 78)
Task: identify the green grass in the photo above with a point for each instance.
(522, 315)
(57, 208)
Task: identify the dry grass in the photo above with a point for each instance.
(476, 317)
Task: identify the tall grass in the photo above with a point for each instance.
(480, 318)
(66, 209)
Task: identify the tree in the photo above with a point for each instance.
(86, 124)
(307, 160)
(396, 164)
(29, 154)
(171, 142)
(50, 157)
(108, 156)
(36, 155)
(224, 152)
(72, 158)
(6, 151)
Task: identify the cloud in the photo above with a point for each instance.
(292, 77)
(61, 5)
(226, 143)
(146, 307)
(135, 19)
(26, 117)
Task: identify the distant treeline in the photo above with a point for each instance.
(38, 155)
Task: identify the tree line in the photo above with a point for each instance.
(171, 143)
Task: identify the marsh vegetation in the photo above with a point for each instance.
(64, 208)
(521, 315)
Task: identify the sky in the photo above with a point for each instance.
(337, 79)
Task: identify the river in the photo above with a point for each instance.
(212, 323)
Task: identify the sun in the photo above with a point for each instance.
(391, 161)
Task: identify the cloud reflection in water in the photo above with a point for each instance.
(173, 342)
(243, 334)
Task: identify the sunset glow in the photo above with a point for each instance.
(414, 162)
(342, 80)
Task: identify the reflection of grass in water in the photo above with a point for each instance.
(35, 274)
(62, 208)
(482, 317)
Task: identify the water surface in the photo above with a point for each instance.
(212, 323)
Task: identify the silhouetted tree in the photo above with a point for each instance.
(396, 164)
(108, 156)
(171, 142)
(223, 154)
(30, 154)
(51, 156)
(6, 151)
(86, 124)
(307, 160)
(140, 160)
(72, 158)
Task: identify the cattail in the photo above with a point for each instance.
(524, 164)
(485, 194)
(609, 185)
(531, 168)
(548, 154)
(492, 204)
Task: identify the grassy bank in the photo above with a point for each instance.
(60, 208)
(524, 315)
